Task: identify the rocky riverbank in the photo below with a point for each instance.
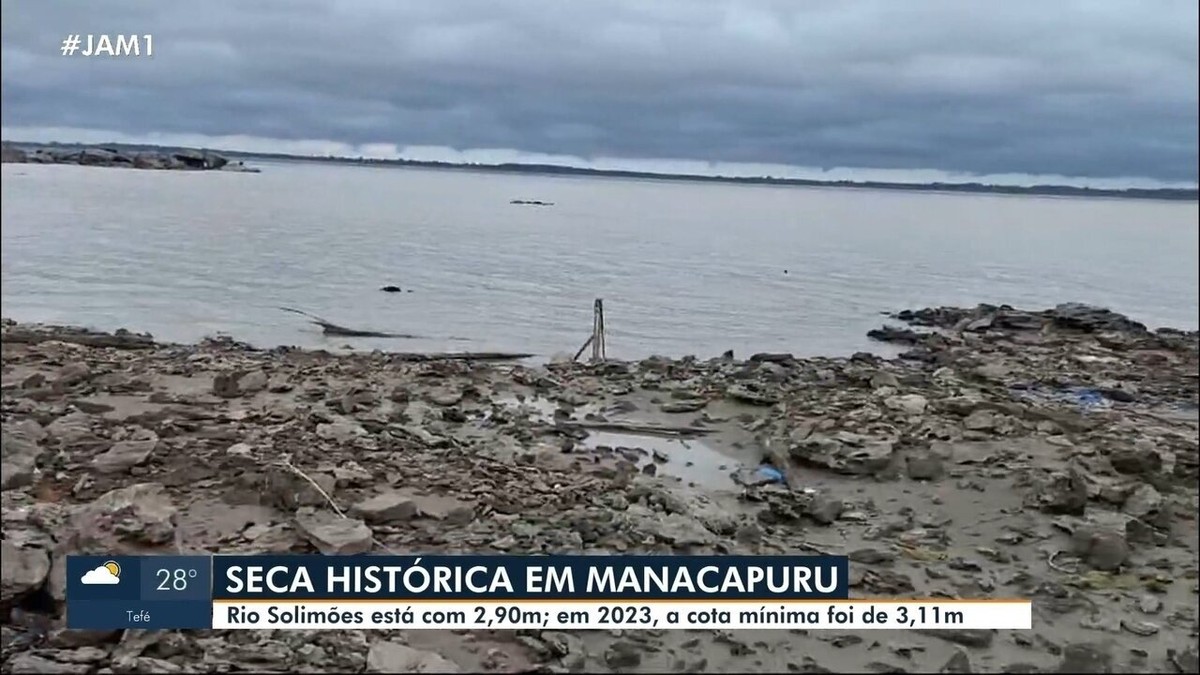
(182, 160)
(1050, 455)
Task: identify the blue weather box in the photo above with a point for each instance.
(110, 592)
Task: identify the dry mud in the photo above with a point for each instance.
(1050, 455)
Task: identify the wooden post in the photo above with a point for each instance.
(598, 346)
(599, 354)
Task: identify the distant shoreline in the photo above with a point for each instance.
(1161, 194)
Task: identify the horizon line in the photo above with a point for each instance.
(551, 168)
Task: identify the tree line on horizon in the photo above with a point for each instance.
(1181, 194)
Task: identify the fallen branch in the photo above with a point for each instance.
(458, 356)
(341, 331)
(585, 346)
(287, 464)
(636, 428)
(79, 337)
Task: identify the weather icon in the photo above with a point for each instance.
(107, 574)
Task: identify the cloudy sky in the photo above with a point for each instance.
(1101, 91)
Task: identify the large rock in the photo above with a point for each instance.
(24, 570)
(29, 662)
(845, 453)
(1060, 493)
(1100, 547)
(393, 657)
(1092, 319)
(1086, 657)
(909, 404)
(124, 455)
(134, 520)
(333, 535)
(71, 429)
(251, 382)
(386, 507)
(1144, 502)
(20, 447)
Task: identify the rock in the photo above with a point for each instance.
(1187, 661)
(133, 520)
(446, 396)
(677, 529)
(683, 406)
(341, 430)
(1136, 461)
(883, 379)
(909, 404)
(1061, 493)
(71, 429)
(871, 556)
(824, 508)
(746, 394)
(1086, 658)
(393, 657)
(1101, 548)
(960, 662)
(284, 489)
(967, 637)
(980, 420)
(332, 534)
(1150, 604)
(225, 385)
(561, 643)
(68, 638)
(1144, 502)
(24, 571)
(925, 466)
(894, 334)
(386, 507)
(20, 449)
(846, 453)
(1078, 316)
(71, 374)
(1142, 628)
(785, 358)
(251, 382)
(28, 662)
(124, 455)
(623, 654)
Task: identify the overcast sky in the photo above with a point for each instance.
(1099, 89)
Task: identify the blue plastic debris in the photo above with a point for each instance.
(1089, 398)
(769, 474)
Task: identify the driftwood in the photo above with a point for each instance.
(458, 356)
(341, 331)
(585, 346)
(596, 340)
(79, 337)
(636, 428)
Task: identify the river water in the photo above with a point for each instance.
(683, 268)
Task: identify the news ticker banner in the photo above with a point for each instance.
(498, 592)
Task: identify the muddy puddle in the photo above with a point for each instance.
(690, 461)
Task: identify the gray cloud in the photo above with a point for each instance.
(1097, 89)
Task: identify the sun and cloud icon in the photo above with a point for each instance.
(105, 575)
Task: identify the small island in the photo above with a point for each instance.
(181, 159)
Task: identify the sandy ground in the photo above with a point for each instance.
(1005, 454)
